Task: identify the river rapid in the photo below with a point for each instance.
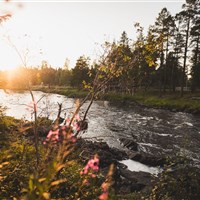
(157, 132)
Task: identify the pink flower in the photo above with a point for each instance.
(73, 139)
(95, 168)
(76, 126)
(93, 175)
(103, 196)
(77, 117)
(69, 136)
(64, 133)
(92, 164)
(52, 136)
(67, 121)
(104, 186)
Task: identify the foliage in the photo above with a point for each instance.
(58, 175)
(80, 72)
(179, 180)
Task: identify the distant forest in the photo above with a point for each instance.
(166, 58)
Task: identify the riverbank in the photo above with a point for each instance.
(172, 101)
(178, 179)
(17, 163)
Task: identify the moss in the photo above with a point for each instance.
(6, 123)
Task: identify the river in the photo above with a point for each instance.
(157, 131)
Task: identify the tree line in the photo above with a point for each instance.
(166, 58)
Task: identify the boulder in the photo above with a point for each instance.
(149, 160)
(129, 144)
(127, 181)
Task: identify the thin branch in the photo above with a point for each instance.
(35, 128)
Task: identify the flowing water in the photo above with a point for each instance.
(157, 131)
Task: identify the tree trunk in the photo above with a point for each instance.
(195, 66)
(185, 57)
(161, 73)
(165, 67)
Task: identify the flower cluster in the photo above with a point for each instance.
(52, 136)
(75, 125)
(92, 166)
(66, 131)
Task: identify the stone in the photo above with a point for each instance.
(129, 144)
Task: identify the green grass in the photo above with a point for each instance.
(169, 100)
(67, 91)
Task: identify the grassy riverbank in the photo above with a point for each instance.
(54, 181)
(189, 103)
(19, 177)
(172, 101)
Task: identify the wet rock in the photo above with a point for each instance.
(153, 161)
(119, 155)
(127, 181)
(129, 144)
(115, 128)
(147, 159)
(107, 155)
(141, 177)
(122, 166)
(134, 156)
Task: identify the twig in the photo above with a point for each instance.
(35, 128)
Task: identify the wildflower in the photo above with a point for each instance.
(70, 137)
(52, 136)
(104, 187)
(67, 121)
(77, 118)
(92, 164)
(76, 126)
(73, 139)
(103, 196)
(93, 175)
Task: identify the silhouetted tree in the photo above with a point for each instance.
(185, 19)
(80, 72)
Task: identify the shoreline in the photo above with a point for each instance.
(190, 103)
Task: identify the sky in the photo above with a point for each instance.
(58, 30)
